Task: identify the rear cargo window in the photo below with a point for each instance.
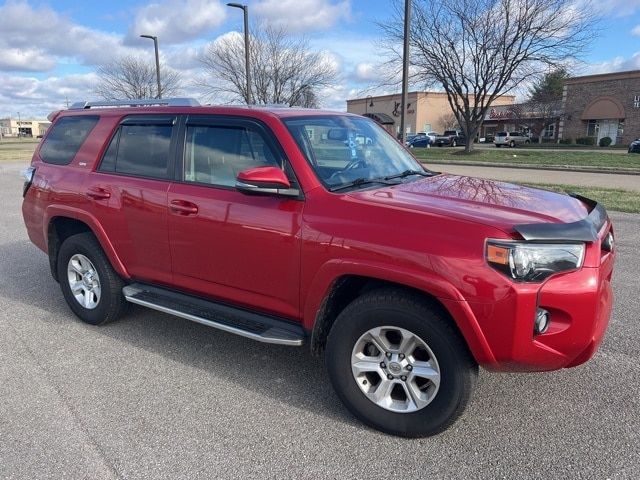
(65, 139)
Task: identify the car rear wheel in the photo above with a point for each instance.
(91, 287)
(512, 144)
(399, 365)
(498, 145)
(454, 143)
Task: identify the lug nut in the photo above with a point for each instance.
(388, 354)
(403, 378)
(390, 377)
(383, 365)
(409, 367)
(401, 356)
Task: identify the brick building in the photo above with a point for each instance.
(598, 106)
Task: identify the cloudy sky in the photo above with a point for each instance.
(49, 50)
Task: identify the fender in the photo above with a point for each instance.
(424, 281)
(56, 210)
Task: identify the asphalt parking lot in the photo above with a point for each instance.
(153, 396)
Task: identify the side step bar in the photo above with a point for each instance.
(263, 328)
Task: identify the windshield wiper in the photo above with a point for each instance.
(408, 173)
(358, 182)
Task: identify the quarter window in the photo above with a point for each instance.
(65, 139)
(216, 154)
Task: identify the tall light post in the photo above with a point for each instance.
(245, 11)
(405, 67)
(19, 123)
(155, 44)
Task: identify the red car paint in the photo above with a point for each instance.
(282, 256)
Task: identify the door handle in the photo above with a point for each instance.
(98, 193)
(182, 207)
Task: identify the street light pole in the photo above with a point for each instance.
(155, 44)
(245, 11)
(405, 67)
(19, 123)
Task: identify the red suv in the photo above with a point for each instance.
(308, 227)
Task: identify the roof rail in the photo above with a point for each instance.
(145, 102)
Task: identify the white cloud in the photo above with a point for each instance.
(616, 64)
(47, 36)
(636, 31)
(174, 21)
(616, 8)
(303, 15)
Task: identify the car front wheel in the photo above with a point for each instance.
(398, 364)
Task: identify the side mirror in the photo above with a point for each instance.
(269, 181)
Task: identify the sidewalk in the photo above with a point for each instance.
(607, 180)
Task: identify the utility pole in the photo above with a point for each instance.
(155, 44)
(405, 68)
(245, 11)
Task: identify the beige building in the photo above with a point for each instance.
(14, 127)
(426, 111)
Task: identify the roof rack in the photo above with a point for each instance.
(146, 102)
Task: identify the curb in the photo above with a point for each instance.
(528, 166)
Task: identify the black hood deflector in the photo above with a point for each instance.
(585, 230)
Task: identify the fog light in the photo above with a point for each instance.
(542, 321)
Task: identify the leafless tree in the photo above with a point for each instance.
(448, 121)
(129, 77)
(477, 50)
(284, 70)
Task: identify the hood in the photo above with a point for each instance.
(498, 204)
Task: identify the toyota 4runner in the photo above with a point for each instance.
(280, 225)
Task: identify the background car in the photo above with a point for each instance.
(420, 141)
(451, 138)
(510, 139)
(634, 147)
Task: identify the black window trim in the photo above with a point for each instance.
(218, 120)
(146, 119)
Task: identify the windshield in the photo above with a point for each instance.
(350, 151)
(501, 134)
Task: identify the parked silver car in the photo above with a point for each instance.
(510, 139)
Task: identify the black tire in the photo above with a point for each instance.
(512, 144)
(527, 142)
(498, 146)
(454, 143)
(392, 307)
(111, 304)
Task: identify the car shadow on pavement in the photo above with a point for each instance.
(287, 374)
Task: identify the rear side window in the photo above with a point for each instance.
(140, 150)
(65, 139)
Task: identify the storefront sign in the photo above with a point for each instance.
(636, 101)
(499, 114)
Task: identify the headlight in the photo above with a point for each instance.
(533, 262)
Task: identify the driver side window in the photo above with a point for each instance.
(214, 155)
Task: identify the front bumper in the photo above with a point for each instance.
(579, 304)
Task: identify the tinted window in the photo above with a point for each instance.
(216, 154)
(141, 150)
(501, 134)
(65, 139)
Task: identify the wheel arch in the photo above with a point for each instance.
(346, 287)
(61, 223)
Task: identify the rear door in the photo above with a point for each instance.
(235, 247)
(129, 191)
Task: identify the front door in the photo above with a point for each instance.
(224, 244)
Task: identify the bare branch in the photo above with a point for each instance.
(130, 77)
(284, 69)
(478, 50)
